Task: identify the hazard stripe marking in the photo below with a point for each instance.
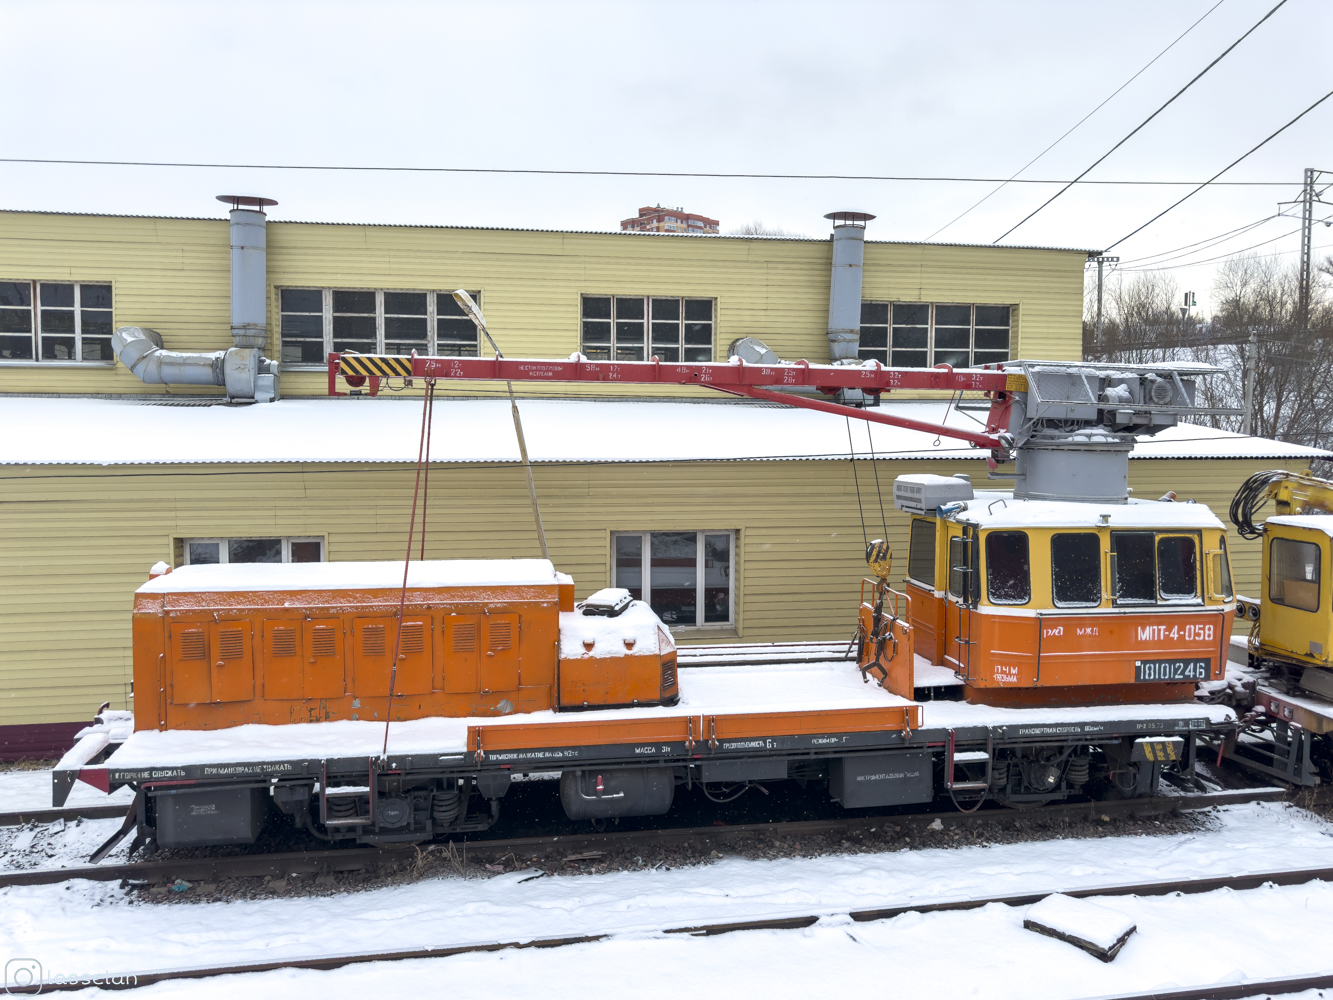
(375, 364)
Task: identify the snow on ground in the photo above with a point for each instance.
(93, 927)
(1182, 941)
(22, 791)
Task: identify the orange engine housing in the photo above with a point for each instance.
(222, 646)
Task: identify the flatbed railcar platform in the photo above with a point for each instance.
(734, 726)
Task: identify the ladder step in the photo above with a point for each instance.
(967, 786)
(970, 756)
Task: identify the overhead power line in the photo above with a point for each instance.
(1211, 239)
(606, 173)
(1167, 266)
(1145, 121)
(1080, 121)
(1237, 160)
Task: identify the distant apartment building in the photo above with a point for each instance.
(656, 219)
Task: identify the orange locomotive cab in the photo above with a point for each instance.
(1036, 602)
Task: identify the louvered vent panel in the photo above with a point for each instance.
(192, 645)
(414, 637)
(284, 642)
(502, 635)
(231, 644)
(372, 640)
(323, 641)
(465, 638)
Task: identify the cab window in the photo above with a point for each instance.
(921, 552)
(1224, 574)
(1293, 574)
(1133, 567)
(957, 568)
(1076, 570)
(1008, 575)
(1177, 567)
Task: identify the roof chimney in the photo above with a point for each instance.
(249, 269)
(844, 302)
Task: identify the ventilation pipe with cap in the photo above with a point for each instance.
(247, 376)
(844, 301)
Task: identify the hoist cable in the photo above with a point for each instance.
(851, 456)
(425, 479)
(407, 560)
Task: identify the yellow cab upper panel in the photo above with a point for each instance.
(1023, 594)
(1295, 621)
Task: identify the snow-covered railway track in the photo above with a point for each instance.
(331, 861)
(1248, 881)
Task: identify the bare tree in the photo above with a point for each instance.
(758, 228)
(1254, 324)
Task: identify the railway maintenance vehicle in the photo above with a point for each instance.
(1285, 687)
(1073, 621)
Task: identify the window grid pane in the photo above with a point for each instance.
(456, 336)
(686, 577)
(923, 334)
(635, 328)
(16, 327)
(207, 551)
(301, 325)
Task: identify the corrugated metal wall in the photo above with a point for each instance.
(173, 275)
(76, 541)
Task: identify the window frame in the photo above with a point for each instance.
(223, 549)
(648, 322)
(645, 570)
(1197, 596)
(326, 298)
(884, 354)
(35, 333)
(913, 553)
(1027, 558)
(1158, 600)
(1058, 602)
(1319, 574)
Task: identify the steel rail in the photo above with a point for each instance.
(332, 860)
(1188, 886)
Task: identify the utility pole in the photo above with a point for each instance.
(1101, 261)
(1311, 195)
(1251, 369)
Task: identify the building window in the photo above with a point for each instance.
(55, 321)
(924, 334)
(206, 551)
(316, 321)
(675, 329)
(686, 577)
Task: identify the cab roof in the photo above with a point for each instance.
(994, 509)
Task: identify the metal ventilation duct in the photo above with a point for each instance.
(844, 301)
(247, 376)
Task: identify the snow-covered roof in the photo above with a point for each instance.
(631, 233)
(1315, 522)
(237, 577)
(55, 431)
(1001, 510)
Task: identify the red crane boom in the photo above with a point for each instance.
(734, 378)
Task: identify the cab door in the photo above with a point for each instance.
(963, 593)
(1295, 613)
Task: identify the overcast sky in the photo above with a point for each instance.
(957, 89)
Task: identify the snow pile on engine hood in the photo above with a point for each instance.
(636, 631)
